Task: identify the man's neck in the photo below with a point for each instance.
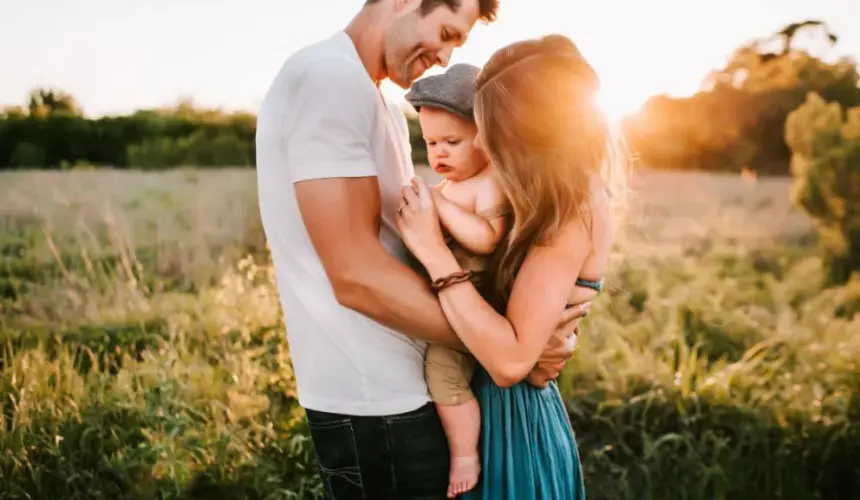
(367, 32)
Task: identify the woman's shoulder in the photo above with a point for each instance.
(594, 224)
(598, 205)
(599, 214)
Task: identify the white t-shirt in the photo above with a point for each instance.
(323, 117)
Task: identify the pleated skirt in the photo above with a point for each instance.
(528, 449)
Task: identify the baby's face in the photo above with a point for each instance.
(451, 144)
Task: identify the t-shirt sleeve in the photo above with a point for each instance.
(332, 124)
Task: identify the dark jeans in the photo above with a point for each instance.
(396, 457)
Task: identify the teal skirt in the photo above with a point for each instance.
(528, 451)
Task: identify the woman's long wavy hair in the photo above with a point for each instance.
(538, 120)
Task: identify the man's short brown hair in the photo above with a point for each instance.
(486, 8)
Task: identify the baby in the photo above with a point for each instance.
(472, 211)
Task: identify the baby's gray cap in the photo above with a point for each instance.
(453, 90)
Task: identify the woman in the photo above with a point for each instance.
(535, 106)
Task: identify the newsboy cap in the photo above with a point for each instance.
(453, 90)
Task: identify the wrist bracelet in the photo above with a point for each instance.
(451, 279)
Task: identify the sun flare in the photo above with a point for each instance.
(618, 104)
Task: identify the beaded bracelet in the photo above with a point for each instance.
(452, 279)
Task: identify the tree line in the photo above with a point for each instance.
(736, 122)
(51, 132)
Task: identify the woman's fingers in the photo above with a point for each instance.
(410, 198)
(560, 346)
(538, 378)
(423, 190)
(555, 368)
(558, 352)
(424, 195)
(544, 372)
(574, 313)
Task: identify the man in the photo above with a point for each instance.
(332, 156)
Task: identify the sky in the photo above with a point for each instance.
(117, 56)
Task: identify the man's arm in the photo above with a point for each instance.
(328, 142)
(342, 216)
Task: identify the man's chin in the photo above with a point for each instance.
(402, 84)
(402, 81)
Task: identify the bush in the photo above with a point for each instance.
(159, 152)
(826, 166)
(144, 357)
(198, 149)
(28, 155)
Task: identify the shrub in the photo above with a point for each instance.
(826, 166)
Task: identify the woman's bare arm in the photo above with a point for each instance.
(508, 347)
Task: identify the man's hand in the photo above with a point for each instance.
(560, 346)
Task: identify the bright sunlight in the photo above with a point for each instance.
(618, 103)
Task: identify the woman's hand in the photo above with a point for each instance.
(560, 347)
(419, 224)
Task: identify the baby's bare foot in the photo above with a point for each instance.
(464, 475)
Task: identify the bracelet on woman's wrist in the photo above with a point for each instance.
(459, 277)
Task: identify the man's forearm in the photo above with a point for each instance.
(389, 292)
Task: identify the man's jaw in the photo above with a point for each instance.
(415, 67)
(411, 70)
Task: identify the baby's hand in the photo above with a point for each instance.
(436, 194)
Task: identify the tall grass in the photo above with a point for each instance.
(144, 355)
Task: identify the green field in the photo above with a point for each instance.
(144, 352)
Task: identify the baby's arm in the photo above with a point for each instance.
(478, 234)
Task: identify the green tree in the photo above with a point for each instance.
(738, 119)
(50, 132)
(222, 149)
(28, 155)
(12, 112)
(826, 166)
(47, 102)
